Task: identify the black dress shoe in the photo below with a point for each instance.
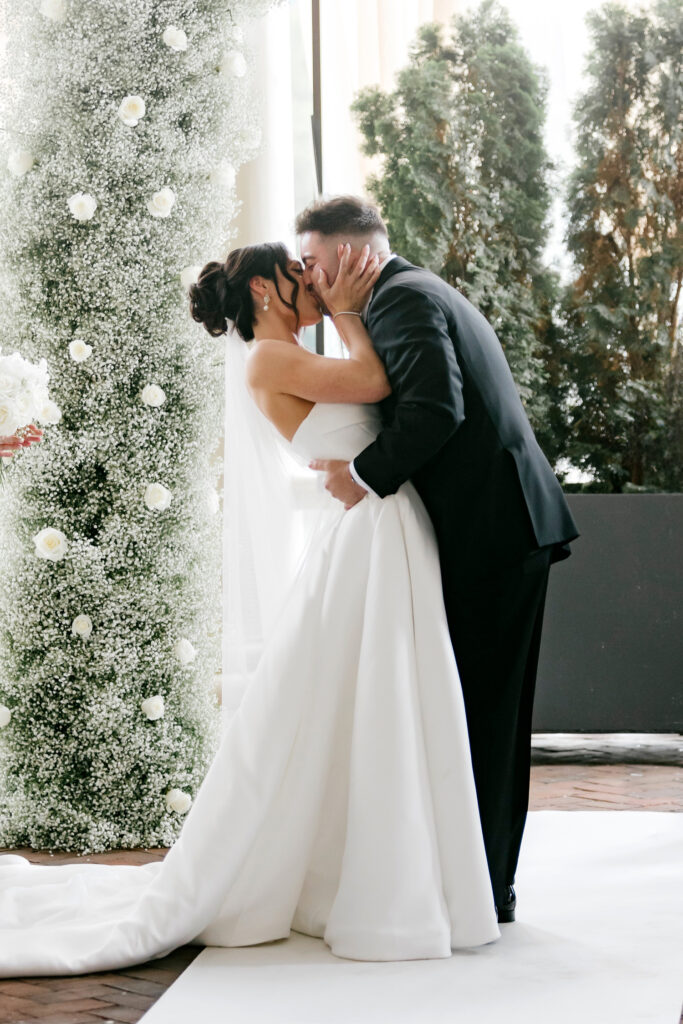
(505, 905)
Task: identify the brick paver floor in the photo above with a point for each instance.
(124, 996)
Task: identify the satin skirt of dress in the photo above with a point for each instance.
(340, 803)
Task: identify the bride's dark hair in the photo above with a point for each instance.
(222, 291)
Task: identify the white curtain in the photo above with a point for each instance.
(363, 42)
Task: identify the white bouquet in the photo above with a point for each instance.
(24, 397)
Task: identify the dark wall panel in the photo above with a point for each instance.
(612, 651)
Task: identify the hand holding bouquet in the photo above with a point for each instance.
(24, 399)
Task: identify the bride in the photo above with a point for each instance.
(341, 801)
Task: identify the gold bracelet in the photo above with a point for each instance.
(351, 312)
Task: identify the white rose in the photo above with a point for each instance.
(79, 351)
(161, 203)
(55, 10)
(153, 395)
(224, 176)
(190, 275)
(10, 417)
(213, 501)
(234, 64)
(19, 162)
(153, 707)
(184, 651)
(175, 38)
(49, 413)
(82, 205)
(178, 801)
(82, 626)
(9, 385)
(51, 544)
(5, 715)
(157, 497)
(131, 110)
(18, 368)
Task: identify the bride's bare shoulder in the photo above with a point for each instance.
(268, 356)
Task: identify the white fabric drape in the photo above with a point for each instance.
(363, 42)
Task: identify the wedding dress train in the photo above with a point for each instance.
(341, 801)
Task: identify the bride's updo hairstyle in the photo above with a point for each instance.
(222, 291)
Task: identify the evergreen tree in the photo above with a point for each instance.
(626, 207)
(125, 121)
(464, 179)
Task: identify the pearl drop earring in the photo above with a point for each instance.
(266, 302)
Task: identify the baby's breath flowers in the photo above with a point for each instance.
(118, 154)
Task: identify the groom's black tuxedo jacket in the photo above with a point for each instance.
(455, 426)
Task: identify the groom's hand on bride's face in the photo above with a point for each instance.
(339, 482)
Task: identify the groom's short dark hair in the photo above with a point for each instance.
(341, 215)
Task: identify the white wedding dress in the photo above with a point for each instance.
(341, 801)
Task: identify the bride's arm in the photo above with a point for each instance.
(291, 369)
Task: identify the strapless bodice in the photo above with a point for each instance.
(336, 430)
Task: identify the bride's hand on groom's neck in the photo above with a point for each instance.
(356, 277)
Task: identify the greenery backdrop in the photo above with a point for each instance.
(465, 184)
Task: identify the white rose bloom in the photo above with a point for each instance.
(157, 497)
(153, 707)
(161, 203)
(184, 651)
(10, 417)
(51, 544)
(49, 413)
(234, 64)
(9, 385)
(153, 395)
(178, 801)
(190, 275)
(20, 370)
(213, 501)
(55, 10)
(131, 110)
(82, 626)
(79, 351)
(224, 176)
(175, 38)
(5, 715)
(19, 162)
(82, 205)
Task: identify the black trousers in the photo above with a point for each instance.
(495, 626)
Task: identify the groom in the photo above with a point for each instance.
(455, 426)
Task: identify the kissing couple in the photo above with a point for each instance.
(372, 787)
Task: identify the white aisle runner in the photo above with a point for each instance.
(598, 940)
